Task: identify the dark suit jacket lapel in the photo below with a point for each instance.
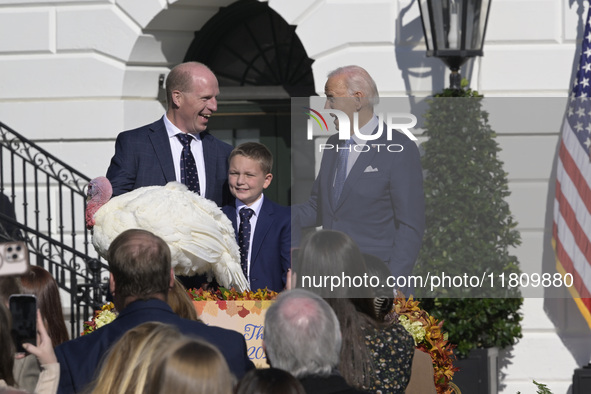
(363, 161)
(230, 212)
(263, 224)
(209, 157)
(329, 171)
(160, 142)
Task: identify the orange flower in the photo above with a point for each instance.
(430, 338)
(231, 295)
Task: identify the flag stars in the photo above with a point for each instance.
(581, 112)
(585, 82)
(579, 127)
(587, 67)
(588, 52)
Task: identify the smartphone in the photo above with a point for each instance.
(14, 258)
(23, 308)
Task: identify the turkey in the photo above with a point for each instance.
(201, 238)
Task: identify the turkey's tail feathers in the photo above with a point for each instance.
(224, 268)
(212, 251)
(231, 274)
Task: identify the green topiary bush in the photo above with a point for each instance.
(469, 224)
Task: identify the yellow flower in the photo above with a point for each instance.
(415, 328)
(104, 317)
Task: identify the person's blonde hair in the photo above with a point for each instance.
(180, 302)
(126, 366)
(191, 366)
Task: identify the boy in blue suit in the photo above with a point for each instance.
(263, 227)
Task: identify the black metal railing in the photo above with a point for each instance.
(42, 203)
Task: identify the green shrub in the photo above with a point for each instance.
(469, 226)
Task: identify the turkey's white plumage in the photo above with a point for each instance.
(200, 236)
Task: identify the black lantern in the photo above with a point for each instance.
(454, 31)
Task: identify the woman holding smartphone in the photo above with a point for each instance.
(39, 282)
(49, 377)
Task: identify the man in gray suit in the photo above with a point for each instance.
(151, 155)
(376, 195)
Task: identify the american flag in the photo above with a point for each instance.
(572, 204)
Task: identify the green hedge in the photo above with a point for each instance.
(470, 228)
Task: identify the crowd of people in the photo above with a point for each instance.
(315, 340)
(313, 344)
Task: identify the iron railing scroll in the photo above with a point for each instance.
(42, 202)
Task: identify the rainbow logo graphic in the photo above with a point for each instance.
(316, 119)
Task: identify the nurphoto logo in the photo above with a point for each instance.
(391, 119)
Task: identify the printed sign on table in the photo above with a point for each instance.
(245, 317)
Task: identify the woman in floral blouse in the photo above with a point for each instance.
(376, 354)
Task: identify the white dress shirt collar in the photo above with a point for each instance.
(366, 129)
(256, 206)
(176, 149)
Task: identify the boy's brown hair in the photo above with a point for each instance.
(255, 151)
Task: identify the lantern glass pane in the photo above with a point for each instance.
(454, 26)
(426, 20)
(441, 18)
(454, 16)
(482, 19)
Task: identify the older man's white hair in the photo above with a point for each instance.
(302, 334)
(358, 80)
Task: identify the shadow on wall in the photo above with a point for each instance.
(571, 327)
(415, 63)
(504, 364)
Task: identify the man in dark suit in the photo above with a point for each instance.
(151, 155)
(381, 205)
(267, 255)
(141, 276)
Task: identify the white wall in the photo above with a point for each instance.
(74, 73)
(529, 52)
